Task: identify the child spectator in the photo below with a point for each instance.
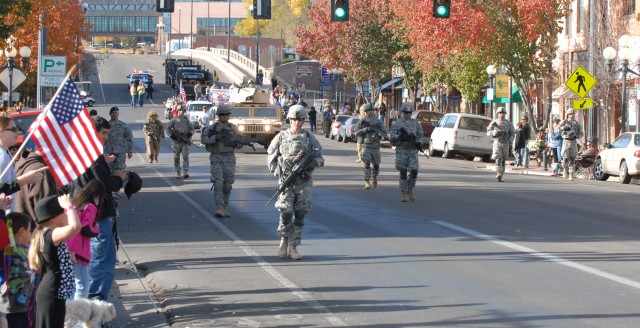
(16, 291)
(57, 221)
(87, 202)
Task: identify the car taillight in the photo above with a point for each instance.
(636, 153)
(455, 135)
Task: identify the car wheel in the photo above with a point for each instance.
(486, 158)
(471, 157)
(447, 153)
(345, 139)
(624, 176)
(432, 152)
(598, 174)
(90, 103)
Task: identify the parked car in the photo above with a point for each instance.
(428, 120)
(461, 133)
(23, 119)
(335, 126)
(346, 131)
(194, 111)
(621, 158)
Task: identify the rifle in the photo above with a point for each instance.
(300, 163)
(502, 135)
(413, 139)
(229, 138)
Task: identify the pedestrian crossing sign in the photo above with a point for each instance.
(585, 103)
(580, 82)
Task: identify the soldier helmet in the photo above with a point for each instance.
(406, 107)
(366, 107)
(297, 111)
(223, 110)
(500, 110)
(570, 111)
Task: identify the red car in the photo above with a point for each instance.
(428, 119)
(23, 120)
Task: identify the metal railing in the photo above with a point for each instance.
(242, 60)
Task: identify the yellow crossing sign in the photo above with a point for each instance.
(585, 103)
(580, 82)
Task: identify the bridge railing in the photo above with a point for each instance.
(242, 60)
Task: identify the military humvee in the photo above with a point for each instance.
(255, 117)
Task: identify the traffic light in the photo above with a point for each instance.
(262, 9)
(339, 10)
(164, 6)
(441, 8)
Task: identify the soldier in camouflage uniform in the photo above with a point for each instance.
(153, 135)
(180, 130)
(222, 157)
(370, 130)
(502, 132)
(407, 135)
(571, 131)
(120, 141)
(295, 203)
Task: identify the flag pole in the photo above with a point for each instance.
(37, 123)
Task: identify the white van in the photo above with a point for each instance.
(463, 134)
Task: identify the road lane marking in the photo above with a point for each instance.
(546, 256)
(295, 289)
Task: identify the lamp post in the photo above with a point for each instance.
(10, 52)
(624, 55)
(179, 28)
(229, 31)
(191, 27)
(161, 36)
(252, 10)
(491, 71)
(208, 18)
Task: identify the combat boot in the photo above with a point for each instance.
(405, 196)
(499, 177)
(220, 212)
(571, 176)
(282, 250)
(412, 196)
(292, 253)
(565, 173)
(226, 212)
(367, 185)
(374, 182)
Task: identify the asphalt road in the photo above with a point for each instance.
(471, 252)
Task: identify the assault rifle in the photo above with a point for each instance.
(229, 138)
(502, 135)
(406, 136)
(300, 163)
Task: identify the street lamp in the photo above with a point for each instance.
(491, 70)
(179, 28)
(160, 36)
(251, 9)
(624, 55)
(191, 28)
(10, 52)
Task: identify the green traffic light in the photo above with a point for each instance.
(340, 12)
(442, 11)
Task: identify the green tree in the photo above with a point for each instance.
(12, 16)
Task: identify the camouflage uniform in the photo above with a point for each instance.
(223, 161)
(406, 151)
(370, 130)
(153, 135)
(180, 131)
(571, 131)
(502, 134)
(119, 143)
(296, 202)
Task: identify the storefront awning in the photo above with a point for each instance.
(563, 93)
(515, 98)
(389, 83)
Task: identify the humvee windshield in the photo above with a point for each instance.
(265, 112)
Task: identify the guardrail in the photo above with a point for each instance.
(242, 60)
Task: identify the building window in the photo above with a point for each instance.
(123, 24)
(568, 28)
(580, 19)
(565, 65)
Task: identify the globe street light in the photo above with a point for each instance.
(624, 55)
(10, 52)
(491, 71)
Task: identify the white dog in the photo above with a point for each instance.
(88, 313)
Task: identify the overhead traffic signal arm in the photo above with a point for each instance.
(339, 10)
(441, 8)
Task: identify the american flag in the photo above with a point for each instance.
(66, 136)
(183, 95)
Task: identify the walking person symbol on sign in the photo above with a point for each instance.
(580, 82)
(580, 79)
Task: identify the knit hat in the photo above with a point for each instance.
(47, 208)
(134, 184)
